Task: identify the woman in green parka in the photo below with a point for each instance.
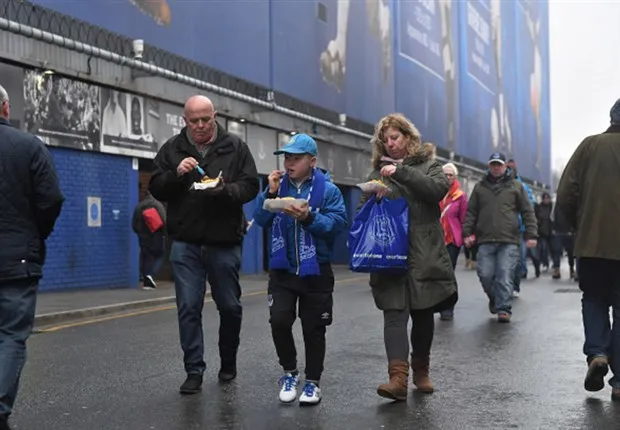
(408, 167)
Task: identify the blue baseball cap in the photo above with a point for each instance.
(497, 157)
(299, 144)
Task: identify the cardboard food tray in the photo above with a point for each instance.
(202, 186)
(278, 205)
(369, 187)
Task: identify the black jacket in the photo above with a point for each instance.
(193, 216)
(153, 241)
(543, 217)
(30, 203)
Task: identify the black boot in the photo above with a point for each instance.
(228, 371)
(192, 385)
(4, 423)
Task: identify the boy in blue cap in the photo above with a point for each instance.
(302, 243)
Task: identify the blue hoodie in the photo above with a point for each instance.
(530, 195)
(326, 225)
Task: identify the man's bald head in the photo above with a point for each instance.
(198, 102)
(200, 119)
(4, 103)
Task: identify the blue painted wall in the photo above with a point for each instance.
(79, 256)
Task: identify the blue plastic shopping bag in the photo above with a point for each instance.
(379, 237)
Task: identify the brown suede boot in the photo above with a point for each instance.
(419, 366)
(396, 389)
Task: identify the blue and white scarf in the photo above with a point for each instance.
(308, 264)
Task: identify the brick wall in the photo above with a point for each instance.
(90, 257)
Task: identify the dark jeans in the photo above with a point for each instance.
(315, 297)
(559, 244)
(150, 262)
(471, 253)
(18, 301)
(521, 268)
(193, 265)
(453, 251)
(544, 249)
(395, 333)
(599, 279)
(496, 267)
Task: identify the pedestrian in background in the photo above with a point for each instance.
(588, 200)
(562, 241)
(207, 229)
(149, 222)
(521, 270)
(543, 211)
(453, 209)
(492, 221)
(30, 203)
(300, 271)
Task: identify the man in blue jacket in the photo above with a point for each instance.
(302, 242)
(521, 270)
(30, 203)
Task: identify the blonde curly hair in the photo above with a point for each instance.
(401, 123)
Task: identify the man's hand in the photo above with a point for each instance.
(299, 212)
(274, 181)
(469, 241)
(388, 170)
(215, 190)
(531, 243)
(187, 165)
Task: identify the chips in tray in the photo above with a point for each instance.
(279, 204)
(373, 186)
(206, 183)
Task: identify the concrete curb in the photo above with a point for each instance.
(77, 314)
(55, 318)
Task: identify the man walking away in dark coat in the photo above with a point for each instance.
(30, 203)
(588, 198)
(149, 221)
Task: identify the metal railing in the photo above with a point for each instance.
(44, 19)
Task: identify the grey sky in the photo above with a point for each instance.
(584, 71)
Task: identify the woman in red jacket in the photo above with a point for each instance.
(453, 209)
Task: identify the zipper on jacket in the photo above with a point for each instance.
(297, 238)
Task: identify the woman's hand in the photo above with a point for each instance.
(388, 170)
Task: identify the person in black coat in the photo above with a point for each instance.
(151, 238)
(30, 203)
(207, 228)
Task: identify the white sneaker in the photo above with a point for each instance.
(311, 394)
(515, 294)
(289, 383)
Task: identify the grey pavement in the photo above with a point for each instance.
(64, 306)
(125, 373)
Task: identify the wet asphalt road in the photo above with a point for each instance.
(125, 373)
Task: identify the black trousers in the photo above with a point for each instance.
(314, 296)
(395, 333)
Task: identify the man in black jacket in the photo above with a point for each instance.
(206, 228)
(30, 203)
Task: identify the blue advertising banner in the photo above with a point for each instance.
(471, 74)
(426, 68)
(231, 35)
(488, 79)
(337, 54)
(533, 87)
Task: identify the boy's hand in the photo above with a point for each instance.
(300, 213)
(274, 180)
